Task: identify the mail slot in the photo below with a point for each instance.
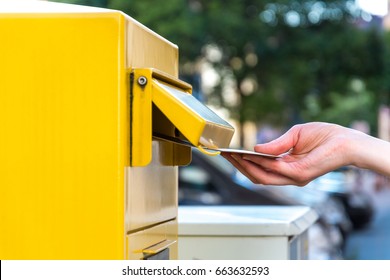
(89, 98)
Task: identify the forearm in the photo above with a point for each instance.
(372, 153)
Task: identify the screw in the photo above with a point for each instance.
(142, 81)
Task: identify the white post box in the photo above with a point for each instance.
(244, 232)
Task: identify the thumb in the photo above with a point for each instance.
(278, 146)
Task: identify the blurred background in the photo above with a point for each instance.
(266, 65)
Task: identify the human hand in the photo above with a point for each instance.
(313, 150)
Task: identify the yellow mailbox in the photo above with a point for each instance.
(82, 92)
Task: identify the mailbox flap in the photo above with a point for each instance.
(167, 103)
(201, 126)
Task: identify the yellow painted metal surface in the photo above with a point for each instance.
(80, 175)
(64, 124)
(156, 238)
(144, 119)
(63, 136)
(152, 192)
(198, 124)
(149, 50)
(140, 118)
(176, 113)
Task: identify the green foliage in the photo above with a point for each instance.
(299, 58)
(176, 20)
(95, 3)
(355, 103)
(385, 97)
(287, 61)
(322, 62)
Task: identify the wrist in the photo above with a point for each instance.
(370, 153)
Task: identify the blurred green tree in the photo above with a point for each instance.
(385, 97)
(278, 62)
(94, 3)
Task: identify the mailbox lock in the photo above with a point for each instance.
(142, 80)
